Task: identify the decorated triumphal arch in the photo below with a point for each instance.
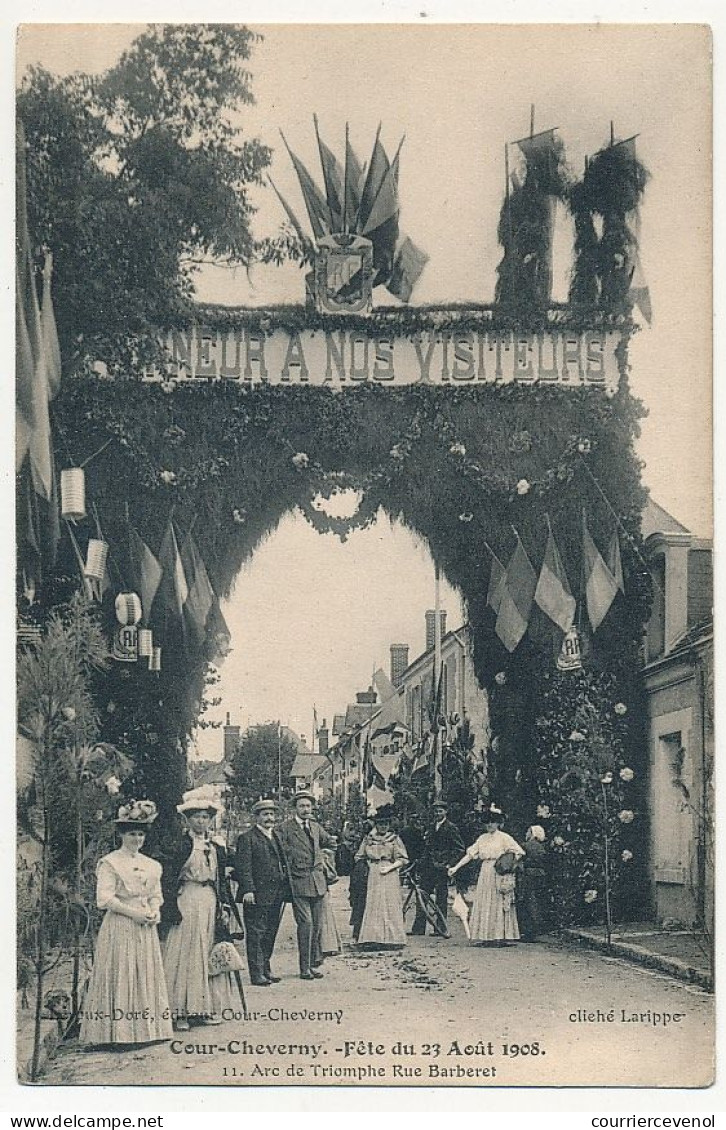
(503, 435)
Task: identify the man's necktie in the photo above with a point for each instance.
(308, 830)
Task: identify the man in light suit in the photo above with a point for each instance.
(301, 841)
(260, 872)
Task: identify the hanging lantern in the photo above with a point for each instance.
(128, 608)
(155, 659)
(73, 494)
(146, 643)
(125, 644)
(96, 559)
(570, 657)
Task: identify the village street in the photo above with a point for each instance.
(439, 1012)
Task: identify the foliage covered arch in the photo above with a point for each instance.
(460, 467)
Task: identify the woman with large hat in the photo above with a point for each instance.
(126, 1001)
(382, 924)
(197, 895)
(493, 916)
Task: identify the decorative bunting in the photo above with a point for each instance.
(517, 597)
(601, 586)
(553, 594)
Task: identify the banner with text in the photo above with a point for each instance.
(341, 358)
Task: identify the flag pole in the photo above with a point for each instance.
(345, 183)
(438, 751)
(531, 119)
(279, 763)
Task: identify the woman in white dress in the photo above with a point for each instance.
(196, 892)
(493, 915)
(126, 1002)
(382, 925)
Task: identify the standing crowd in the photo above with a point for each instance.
(165, 956)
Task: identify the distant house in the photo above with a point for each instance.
(305, 773)
(678, 675)
(392, 719)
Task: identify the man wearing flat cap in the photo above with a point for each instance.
(302, 840)
(260, 875)
(443, 846)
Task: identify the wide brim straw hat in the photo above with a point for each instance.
(303, 795)
(199, 800)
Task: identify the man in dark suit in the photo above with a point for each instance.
(261, 882)
(301, 840)
(443, 847)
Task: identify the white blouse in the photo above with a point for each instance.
(134, 879)
(491, 845)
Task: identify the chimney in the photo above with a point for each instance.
(323, 739)
(399, 662)
(431, 627)
(368, 697)
(231, 739)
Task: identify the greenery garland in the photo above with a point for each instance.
(459, 467)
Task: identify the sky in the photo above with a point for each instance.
(311, 617)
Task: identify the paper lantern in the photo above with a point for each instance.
(146, 643)
(155, 659)
(73, 494)
(96, 559)
(128, 608)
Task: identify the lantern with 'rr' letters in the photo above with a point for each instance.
(570, 657)
(125, 644)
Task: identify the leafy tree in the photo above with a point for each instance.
(255, 763)
(136, 177)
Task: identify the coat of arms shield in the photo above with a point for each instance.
(344, 274)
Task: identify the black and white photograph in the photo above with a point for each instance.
(364, 559)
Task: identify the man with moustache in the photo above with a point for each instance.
(261, 887)
(302, 841)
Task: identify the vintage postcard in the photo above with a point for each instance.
(364, 555)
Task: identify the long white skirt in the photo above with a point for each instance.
(192, 992)
(493, 916)
(126, 1002)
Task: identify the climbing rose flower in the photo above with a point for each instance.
(168, 386)
(584, 447)
(626, 816)
(113, 785)
(590, 896)
(576, 736)
(607, 779)
(238, 516)
(500, 678)
(69, 713)
(396, 452)
(523, 487)
(467, 516)
(558, 841)
(300, 459)
(167, 477)
(543, 811)
(620, 708)
(626, 774)
(626, 856)
(457, 449)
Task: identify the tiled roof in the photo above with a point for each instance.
(305, 765)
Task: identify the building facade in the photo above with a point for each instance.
(678, 675)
